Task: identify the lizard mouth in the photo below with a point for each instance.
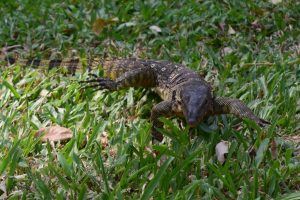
(192, 122)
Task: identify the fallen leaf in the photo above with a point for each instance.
(113, 152)
(69, 31)
(54, 133)
(276, 1)
(125, 25)
(104, 140)
(44, 93)
(227, 50)
(231, 31)
(100, 23)
(155, 29)
(151, 176)
(255, 24)
(274, 152)
(222, 149)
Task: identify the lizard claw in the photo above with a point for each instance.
(99, 83)
(262, 122)
(93, 75)
(157, 137)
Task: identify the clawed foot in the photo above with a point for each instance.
(99, 83)
(157, 137)
(262, 122)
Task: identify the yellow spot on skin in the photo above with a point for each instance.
(112, 74)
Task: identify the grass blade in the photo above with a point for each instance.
(261, 151)
(99, 162)
(12, 89)
(155, 181)
(8, 157)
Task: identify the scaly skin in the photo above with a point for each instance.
(183, 91)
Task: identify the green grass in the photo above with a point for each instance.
(245, 49)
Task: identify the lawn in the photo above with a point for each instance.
(248, 50)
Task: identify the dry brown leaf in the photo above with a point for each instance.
(222, 149)
(100, 23)
(131, 118)
(104, 140)
(256, 25)
(274, 150)
(113, 152)
(54, 133)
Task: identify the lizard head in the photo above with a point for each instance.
(196, 102)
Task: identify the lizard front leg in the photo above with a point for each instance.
(223, 105)
(139, 77)
(99, 83)
(162, 109)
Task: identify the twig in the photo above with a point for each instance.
(5, 49)
(271, 64)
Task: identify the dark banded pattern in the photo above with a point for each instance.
(224, 105)
(183, 91)
(73, 65)
(70, 65)
(33, 63)
(54, 63)
(10, 60)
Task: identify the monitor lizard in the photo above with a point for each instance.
(183, 91)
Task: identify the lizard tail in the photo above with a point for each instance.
(113, 68)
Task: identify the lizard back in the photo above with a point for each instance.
(165, 76)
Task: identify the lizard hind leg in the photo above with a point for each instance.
(223, 105)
